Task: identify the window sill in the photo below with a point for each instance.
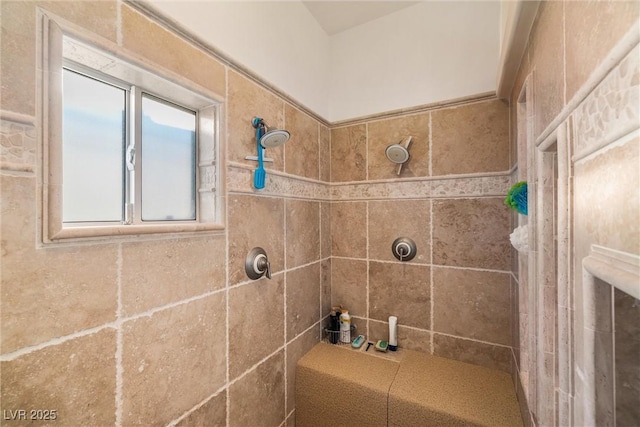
(79, 233)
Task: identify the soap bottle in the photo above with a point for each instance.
(345, 326)
(393, 333)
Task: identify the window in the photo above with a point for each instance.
(128, 150)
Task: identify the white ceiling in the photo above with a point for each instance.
(337, 16)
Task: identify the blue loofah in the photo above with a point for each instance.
(517, 197)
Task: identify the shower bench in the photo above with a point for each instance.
(340, 386)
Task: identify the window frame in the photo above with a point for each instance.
(63, 45)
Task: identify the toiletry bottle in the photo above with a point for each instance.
(334, 327)
(345, 326)
(393, 333)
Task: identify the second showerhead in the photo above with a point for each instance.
(270, 137)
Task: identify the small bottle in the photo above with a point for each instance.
(393, 333)
(334, 327)
(345, 326)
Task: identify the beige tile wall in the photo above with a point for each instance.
(161, 330)
(171, 330)
(568, 42)
(454, 298)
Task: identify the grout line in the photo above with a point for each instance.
(430, 146)
(319, 163)
(454, 267)
(368, 263)
(366, 147)
(227, 272)
(119, 38)
(113, 325)
(261, 361)
(284, 329)
(431, 287)
(7, 357)
(196, 407)
(119, 341)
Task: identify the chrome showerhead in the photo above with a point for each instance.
(274, 138)
(270, 137)
(397, 153)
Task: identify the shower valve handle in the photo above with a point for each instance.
(264, 266)
(257, 264)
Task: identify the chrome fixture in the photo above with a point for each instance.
(404, 249)
(399, 153)
(257, 265)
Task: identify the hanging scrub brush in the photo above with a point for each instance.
(517, 197)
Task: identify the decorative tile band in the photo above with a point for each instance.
(239, 179)
(611, 110)
(17, 146)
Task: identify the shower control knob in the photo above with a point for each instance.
(257, 265)
(404, 249)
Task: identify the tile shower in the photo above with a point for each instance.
(170, 330)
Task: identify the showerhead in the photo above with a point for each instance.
(397, 153)
(270, 138)
(274, 138)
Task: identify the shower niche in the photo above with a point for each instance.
(611, 337)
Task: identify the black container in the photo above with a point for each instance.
(334, 327)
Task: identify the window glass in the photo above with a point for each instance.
(93, 149)
(168, 161)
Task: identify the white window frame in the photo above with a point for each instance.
(65, 45)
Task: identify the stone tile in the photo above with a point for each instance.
(325, 230)
(592, 29)
(18, 57)
(302, 150)
(360, 324)
(17, 146)
(172, 270)
(414, 339)
(76, 378)
(162, 47)
(303, 299)
(383, 133)
(458, 226)
(303, 232)
(391, 219)
(212, 414)
(18, 44)
(349, 229)
(325, 287)
(325, 154)
(173, 360)
(401, 290)
(258, 398)
(349, 153)
(53, 291)
(254, 222)
(377, 331)
(472, 304)
(474, 352)
(627, 349)
(291, 420)
(349, 285)
(546, 44)
(246, 100)
(470, 138)
(256, 322)
(602, 210)
(610, 111)
(295, 350)
(408, 338)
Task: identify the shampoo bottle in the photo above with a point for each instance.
(393, 333)
(345, 326)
